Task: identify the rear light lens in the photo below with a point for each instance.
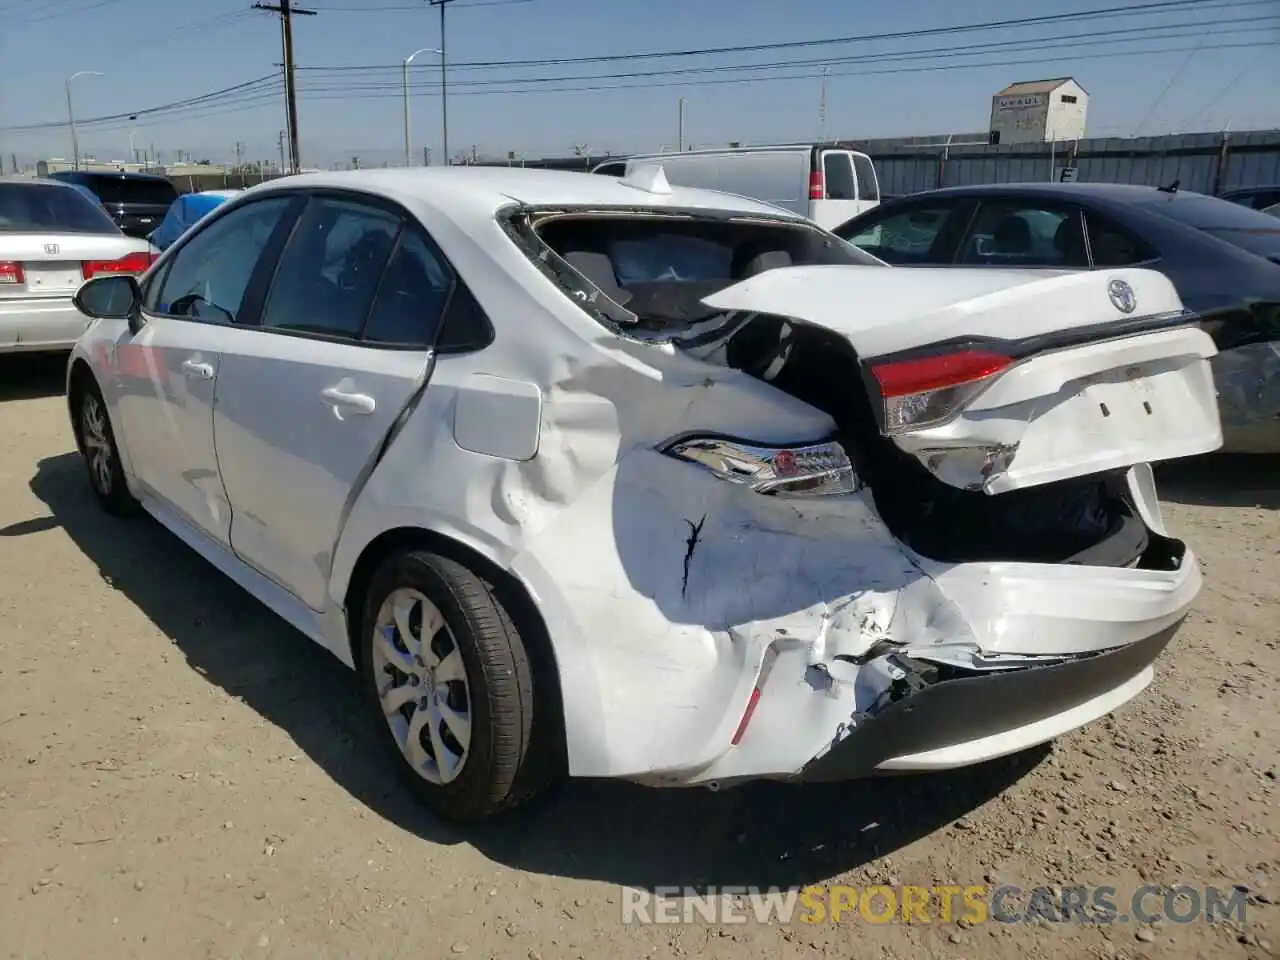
(817, 189)
(931, 390)
(11, 272)
(135, 263)
(803, 470)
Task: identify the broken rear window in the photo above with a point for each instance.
(659, 267)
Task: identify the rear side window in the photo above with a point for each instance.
(1011, 233)
(612, 169)
(837, 172)
(329, 271)
(908, 237)
(868, 186)
(132, 190)
(1111, 245)
(50, 208)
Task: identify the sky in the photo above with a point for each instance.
(1190, 68)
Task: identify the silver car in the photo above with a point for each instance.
(52, 239)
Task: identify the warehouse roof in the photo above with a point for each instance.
(1036, 86)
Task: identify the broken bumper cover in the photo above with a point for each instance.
(967, 719)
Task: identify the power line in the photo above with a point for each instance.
(325, 8)
(255, 91)
(1102, 12)
(287, 12)
(1091, 39)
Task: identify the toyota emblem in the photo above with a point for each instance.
(51, 249)
(1122, 295)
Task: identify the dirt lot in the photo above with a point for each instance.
(182, 775)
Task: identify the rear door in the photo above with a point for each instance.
(307, 400)
(840, 198)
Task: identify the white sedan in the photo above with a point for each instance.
(606, 478)
(52, 239)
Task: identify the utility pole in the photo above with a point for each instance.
(287, 12)
(822, 108)
(444, 84)
(281, 151)
(239, 154)
(680, 142)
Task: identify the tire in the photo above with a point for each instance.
(495, 773)
(97, 442)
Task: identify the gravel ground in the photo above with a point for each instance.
(183, 775)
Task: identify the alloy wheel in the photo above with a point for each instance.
(422, 685)
(93, 430)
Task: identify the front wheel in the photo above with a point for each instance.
(100, 452)
(448, 678)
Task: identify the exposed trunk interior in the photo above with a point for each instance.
(1086, 520)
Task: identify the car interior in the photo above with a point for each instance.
(660, 270)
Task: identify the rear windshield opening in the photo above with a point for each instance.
(128, 190)
(50, 208)
(659, 268)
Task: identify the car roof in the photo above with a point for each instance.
(38, 181)
(1260, 188)
(1115, 192)
(495, 187)
(109, 174)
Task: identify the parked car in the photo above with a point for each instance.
(1256, 197)
(1223, 258)
(51, 240)
(824, 183)
(185, 211)
(137, 202)
(628, 480)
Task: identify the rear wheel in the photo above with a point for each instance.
(447, 676)
(100, 452)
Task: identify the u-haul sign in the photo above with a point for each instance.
(1019, 103)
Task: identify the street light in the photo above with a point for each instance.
(71, 116)
(408, 158)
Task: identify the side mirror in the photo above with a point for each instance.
(111, 298)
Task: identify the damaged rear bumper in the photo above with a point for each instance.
(972, 717)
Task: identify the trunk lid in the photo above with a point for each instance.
(997, 380)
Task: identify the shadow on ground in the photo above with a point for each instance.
(28, 376)
(763, 834)
(1222, 480)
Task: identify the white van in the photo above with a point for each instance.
(828, 185)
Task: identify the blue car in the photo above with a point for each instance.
(184, 212)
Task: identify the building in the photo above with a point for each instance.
(1039, 111)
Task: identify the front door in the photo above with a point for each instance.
(306, 401)
(167, 372)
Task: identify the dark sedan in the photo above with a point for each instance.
(1223, 258)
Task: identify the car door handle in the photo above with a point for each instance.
(198, 370)
(355, 402)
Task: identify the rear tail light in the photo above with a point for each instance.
(11, 272)
(928, 391)
(803, 470)
(817, 189)
(131, 263)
